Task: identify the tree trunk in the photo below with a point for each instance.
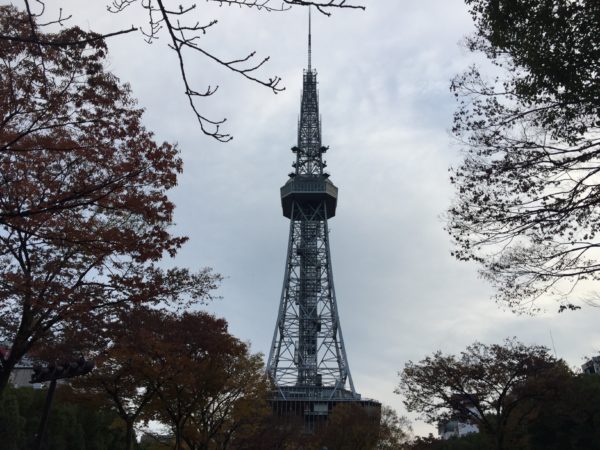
(39, 439)
(177, 437)
(128, 434)
(4, 377)
(500, 441)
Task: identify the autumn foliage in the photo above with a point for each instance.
(185, 371)
(84, 212)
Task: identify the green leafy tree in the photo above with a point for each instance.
(495, 387)
(528, 188)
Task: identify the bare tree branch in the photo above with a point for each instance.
(181, 41)
(65, 43)
(182, 36)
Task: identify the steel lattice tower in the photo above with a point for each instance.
(307, 360)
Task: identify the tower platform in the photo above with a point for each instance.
(309, 189)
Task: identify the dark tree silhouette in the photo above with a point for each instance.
(528, 189)
(210, 390)
(487, 385)
(123, 380)
(394, 431)
(180, 23)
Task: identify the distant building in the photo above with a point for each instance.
(458, 426)
(592, 366)
(150, 439)
(21, 373)
(455, 428)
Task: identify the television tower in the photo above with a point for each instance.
(307, 360)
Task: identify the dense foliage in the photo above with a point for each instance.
(568, 420)
(528, 188)
(183, 370)
(495, 387)
(473, 441)
(571, 421)
(72, 425)
(84, 212)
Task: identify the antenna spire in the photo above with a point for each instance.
(309, 41)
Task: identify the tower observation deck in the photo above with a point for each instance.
(307, 360)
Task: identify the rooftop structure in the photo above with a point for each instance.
(592, 366)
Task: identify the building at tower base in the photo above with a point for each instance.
(313, 411)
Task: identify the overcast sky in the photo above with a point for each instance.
(383, 75)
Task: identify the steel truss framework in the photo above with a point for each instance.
(307, 357)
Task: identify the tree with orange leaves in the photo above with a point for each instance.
(210, 391)
(84, 215)
(128, 366)
(185, 371)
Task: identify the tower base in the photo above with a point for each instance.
(312, 406)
